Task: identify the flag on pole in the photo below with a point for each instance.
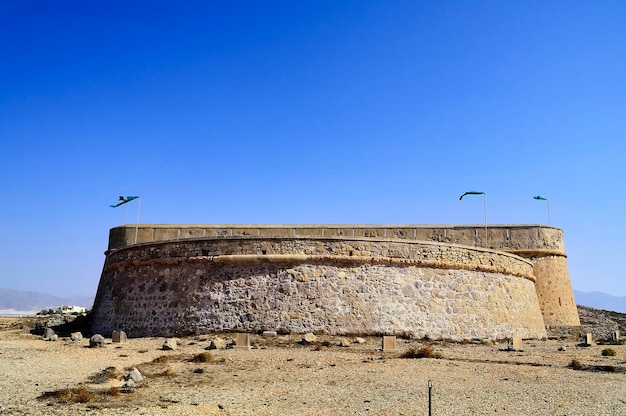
(471, 193)
(540, 198)
(123, 200)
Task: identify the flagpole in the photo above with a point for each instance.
(485, 209)
(137, 223)
(484, 194)
(540, 198)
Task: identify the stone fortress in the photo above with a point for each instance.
(438, 281)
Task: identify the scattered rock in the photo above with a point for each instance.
(129, 384)
(343, 342)
(217, 344)
(359, 340)
(562, 348)
(269, 333)
(134, 375)
(54, 337)
(170, 344)
(76, 336)
(96, 341)
(309, 338)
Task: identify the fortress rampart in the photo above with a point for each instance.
(436, 281)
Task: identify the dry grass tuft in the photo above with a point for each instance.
(168, 373)
(576, 365)
(163, 359)
(423, 352)
(71, 395)
(114, 392)
(203, 357)
(608, 352)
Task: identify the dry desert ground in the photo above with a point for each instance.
(281, 376)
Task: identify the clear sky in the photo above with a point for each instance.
(308, 112)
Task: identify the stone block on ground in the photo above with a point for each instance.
(217, 344)
(515, 344)
(25, 329)
(309, 338)
(343, 342)
(76, 336)
(242, 341)
(269, 333)
(119, 336)
(134, 375)
(170, 344)
(389, 343)
(48, 333)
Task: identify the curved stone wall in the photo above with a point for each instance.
(340, 285)
(555, 293)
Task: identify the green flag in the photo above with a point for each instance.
(122, 200)
(471, 193)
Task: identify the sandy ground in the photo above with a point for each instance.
(279, 376)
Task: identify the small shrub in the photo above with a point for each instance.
(168, 373)
(608, 352)
(424, 352)
(203, 357)
(576, 365)
(114, 392)
(73, 395)
(163, 359)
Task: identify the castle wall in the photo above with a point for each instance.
(541, 244)
(338, 285)
(555, 292)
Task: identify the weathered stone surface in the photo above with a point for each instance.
(217, 344)
(382, 280)
(25, 329)
(389, 343)
(242, 341)
(515, 344)
(359, 340)
(76, 336)
(269, 333)
(134, 375)
(343, 342)
(170, 344)
(48, 333)
(118, 336)
(96, 341)
(309, 338)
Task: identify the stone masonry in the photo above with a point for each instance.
(416, 281)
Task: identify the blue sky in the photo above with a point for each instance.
(307, 112)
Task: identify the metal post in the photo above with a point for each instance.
(430, 396)
(485, 209)
(137, 223)
(548, 212)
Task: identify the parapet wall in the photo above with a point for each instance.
(524, 239)
(299, 284)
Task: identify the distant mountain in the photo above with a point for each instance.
(35, 301)
(601, 300)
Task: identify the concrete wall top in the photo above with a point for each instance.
(523, 239)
